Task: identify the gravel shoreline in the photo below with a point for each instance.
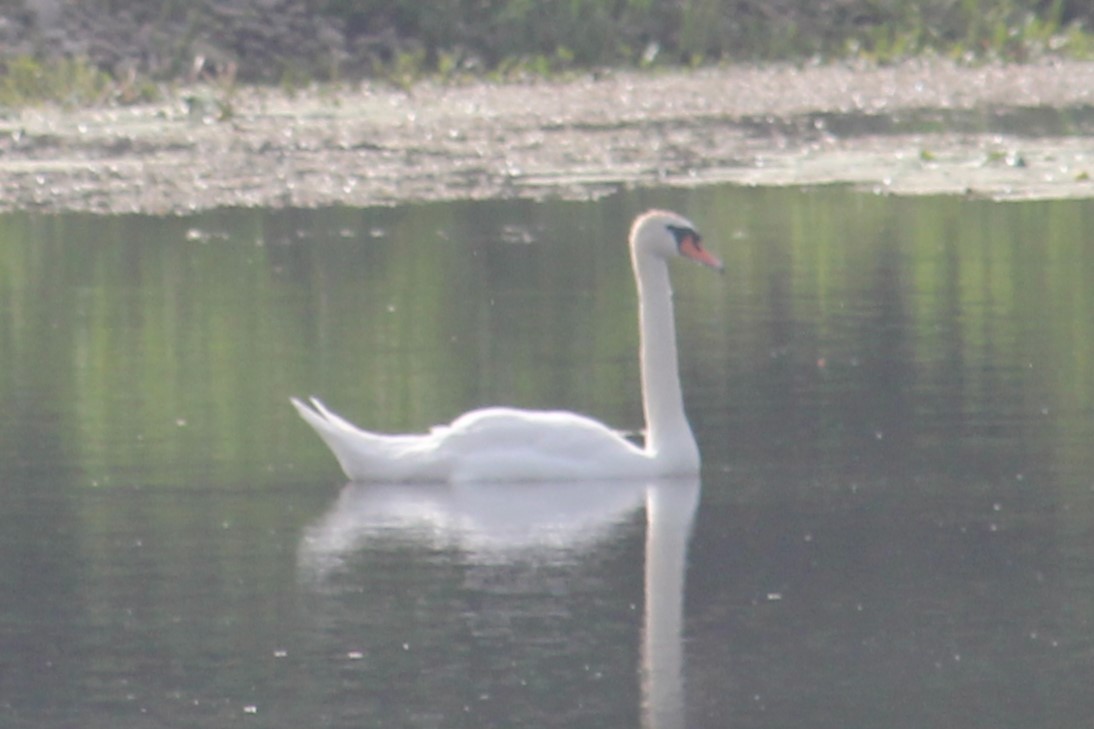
(1001, 131)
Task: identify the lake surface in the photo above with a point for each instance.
(894, 526)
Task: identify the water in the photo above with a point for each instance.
(894, 399)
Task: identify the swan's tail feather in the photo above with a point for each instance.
(364, 456)
(347, 442)
(332, 417)
(313, 417)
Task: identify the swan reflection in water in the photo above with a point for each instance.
(493, 523)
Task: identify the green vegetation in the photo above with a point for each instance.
(67, 81)
(495, 35)
(402, 41)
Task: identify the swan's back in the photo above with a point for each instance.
(505, 444)
(492, 444)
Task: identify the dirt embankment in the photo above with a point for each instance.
(926, 126)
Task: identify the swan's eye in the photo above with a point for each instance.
(683, 233)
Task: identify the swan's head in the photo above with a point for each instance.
(661, 234)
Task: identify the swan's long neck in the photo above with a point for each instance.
(668, 435)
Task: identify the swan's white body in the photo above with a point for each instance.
(506, 444)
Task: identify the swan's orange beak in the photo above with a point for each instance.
(691, 247)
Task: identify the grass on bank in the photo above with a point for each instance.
(70, 82)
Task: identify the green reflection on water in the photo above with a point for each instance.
(948, 320)
(162, 350)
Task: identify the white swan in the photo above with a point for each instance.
(506, 444)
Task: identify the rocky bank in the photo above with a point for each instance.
(1001, 131)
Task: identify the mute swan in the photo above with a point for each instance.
(506, 444)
